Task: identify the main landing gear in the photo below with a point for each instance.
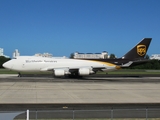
(19, 74)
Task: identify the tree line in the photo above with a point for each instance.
(3, 60)
(152, 64)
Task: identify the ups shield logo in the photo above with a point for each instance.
(141, 50)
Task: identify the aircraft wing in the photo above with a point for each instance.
(79, 70)
(72, 68)
(83, 70)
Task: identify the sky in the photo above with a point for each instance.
(62, 27)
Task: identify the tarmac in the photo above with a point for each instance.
(99, 97)
(119, 90)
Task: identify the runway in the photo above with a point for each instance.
(27, 90)
(89, 93)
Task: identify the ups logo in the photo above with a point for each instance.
(141, 50)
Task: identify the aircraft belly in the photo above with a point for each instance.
(80, 64)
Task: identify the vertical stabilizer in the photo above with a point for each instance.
(139, 51)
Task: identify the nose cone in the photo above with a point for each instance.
(7, 65)
(4, 65)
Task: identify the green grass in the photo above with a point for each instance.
(132, 72)
(5, 71)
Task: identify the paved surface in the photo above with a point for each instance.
(52, 91)
(99, 97)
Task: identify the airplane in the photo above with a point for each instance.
(77, 67)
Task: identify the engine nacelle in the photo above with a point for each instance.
(85, 71)
(59, 72)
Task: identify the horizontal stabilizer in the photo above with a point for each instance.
(127, 64)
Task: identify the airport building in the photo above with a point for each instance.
(43, 55)
(155, 56)
(102, 55)
(49, 56)
(2, 53)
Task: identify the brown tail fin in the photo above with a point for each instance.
(139, 51)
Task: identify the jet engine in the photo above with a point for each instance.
(85, 71)
(59, 72)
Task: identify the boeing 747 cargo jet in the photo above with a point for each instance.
(77, 67)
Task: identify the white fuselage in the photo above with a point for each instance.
(32, 63)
